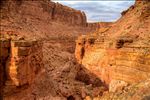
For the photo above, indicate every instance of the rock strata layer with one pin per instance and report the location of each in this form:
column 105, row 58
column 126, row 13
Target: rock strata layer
column 21, row 62
column 42, row 19
column 121, row 53
column 43, row 10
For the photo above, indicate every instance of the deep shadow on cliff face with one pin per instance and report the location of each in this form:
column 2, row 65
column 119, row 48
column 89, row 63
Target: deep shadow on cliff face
column 61, row 77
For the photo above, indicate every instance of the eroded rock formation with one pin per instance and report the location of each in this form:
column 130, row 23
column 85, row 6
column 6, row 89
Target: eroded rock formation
column 45, row 22
column 52, row 11
column 137, row 91
column 100, row 26
column 122, row 52
column 21, row 62
column 42, row 19
column 68, row 15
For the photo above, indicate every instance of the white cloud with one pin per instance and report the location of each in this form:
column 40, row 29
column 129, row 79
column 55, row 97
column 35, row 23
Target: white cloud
column 99, row 10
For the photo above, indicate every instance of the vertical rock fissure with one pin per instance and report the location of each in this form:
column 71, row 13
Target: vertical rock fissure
column 53, row 11
column 4, row 66
column 3, row 62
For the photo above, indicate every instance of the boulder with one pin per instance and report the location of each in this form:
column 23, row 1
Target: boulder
column 117, row 85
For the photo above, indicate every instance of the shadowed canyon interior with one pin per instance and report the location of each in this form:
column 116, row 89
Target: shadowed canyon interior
column 49, row 51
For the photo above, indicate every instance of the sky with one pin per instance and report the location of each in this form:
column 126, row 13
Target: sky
column 99, row 10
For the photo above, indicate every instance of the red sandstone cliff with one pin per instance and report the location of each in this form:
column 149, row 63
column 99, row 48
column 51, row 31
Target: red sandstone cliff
column 101, row 26
column 21, row 62
column 43, row 10
column 121, row 55
column 42, row 19
column 39, row 36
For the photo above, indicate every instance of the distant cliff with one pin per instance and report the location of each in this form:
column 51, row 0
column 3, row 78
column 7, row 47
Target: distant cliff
column 100, row 26
column 42, row 19
column 44, row 10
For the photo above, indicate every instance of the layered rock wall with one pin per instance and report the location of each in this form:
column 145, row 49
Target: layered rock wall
column 71, row 16
column 27, row 54
column 100, row 25
column 43, row 10
column 129, row 64
column 122, row 53
column 137, row 91
column 21, row 61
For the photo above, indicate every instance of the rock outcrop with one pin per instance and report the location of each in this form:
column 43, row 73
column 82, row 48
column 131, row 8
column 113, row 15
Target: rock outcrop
column 21, row 62
column 68, row 15
column 121, row 53
column 56, row 26
column 42, row 19
column 137, row 91
column 100, row 26
column 44, row 10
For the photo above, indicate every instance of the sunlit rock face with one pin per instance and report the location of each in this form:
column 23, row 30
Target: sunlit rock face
column 137, row 91
column 56, row 26
column 42, row 19
column 44, row 10
column 100, row 26
column 122, row 64
column 122, row 52
column 21, row 62
column 25, row 62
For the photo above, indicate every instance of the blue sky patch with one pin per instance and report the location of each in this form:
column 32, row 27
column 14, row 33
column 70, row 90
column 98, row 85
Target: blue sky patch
column 97, row 11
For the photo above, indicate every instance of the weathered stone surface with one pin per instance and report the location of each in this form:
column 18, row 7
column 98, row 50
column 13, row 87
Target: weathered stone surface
column 116, row 64
column 52, row 11
column 138, row 91
column 117, row 85
column 20, row 63
column 42, row 19
column 4, row 48
column 100, row 25
column 23, row 43
column 22, row 51
column 4, row 43
column 122, row 41
column 74, row 17
column 80, row 50
column 48, row 22
column 122, row 52
column 4, row 52
column 23, row 65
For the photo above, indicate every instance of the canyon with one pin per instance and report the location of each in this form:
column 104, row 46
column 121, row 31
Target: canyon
column 49, row 51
